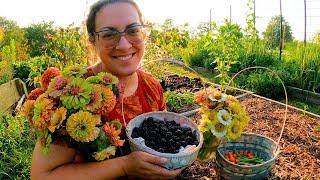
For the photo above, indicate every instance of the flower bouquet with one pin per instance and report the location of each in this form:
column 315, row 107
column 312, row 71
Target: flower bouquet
column 221, row 116
column 68, row 107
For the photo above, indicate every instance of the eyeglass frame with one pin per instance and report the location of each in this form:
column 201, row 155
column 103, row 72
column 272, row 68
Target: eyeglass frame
column 145, row 30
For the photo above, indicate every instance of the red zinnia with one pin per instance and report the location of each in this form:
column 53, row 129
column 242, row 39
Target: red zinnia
column 34, row 94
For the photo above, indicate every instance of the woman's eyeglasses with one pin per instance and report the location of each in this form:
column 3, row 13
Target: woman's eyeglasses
column 134, row 34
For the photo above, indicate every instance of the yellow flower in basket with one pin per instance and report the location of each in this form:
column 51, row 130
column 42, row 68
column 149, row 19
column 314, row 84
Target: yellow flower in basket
column 222, row 116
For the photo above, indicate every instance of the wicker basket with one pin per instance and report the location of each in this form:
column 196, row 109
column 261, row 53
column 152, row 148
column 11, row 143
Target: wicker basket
column 175, row 161
column 261, row 146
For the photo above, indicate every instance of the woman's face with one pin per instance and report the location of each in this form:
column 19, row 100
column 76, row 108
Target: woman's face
column 123, row 58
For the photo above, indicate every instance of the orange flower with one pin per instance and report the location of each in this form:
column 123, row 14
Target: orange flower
column 47, row 75
column 112, row 130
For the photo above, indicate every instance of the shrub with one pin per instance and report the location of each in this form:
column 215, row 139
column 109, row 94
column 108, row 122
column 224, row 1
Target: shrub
column 16, row 145
column 262, row 83
column 6, row 73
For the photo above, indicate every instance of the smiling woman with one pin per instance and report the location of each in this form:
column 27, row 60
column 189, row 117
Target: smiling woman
column 117, row 33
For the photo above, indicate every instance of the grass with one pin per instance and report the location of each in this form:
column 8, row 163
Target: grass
column 305, row 105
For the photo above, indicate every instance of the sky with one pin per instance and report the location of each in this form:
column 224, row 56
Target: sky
column 65, row 12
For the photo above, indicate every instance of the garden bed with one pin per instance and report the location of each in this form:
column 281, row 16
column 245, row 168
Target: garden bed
column 300, row 144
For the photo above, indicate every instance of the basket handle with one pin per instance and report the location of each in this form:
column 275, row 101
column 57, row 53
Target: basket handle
column 285, row 92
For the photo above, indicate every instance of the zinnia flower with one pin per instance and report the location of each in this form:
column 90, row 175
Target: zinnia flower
column 81, row 126
column 27, row 109
column 205, row 124
column 234, row 130
column 103, row 78
column 57, row 85
column 34, row 94
column 224, row 117
column 58, row 116
column 74, row 70
column 113, row 130
column 105, row 153
column 78, row 94
column 218, row 129
column 102, row 100
column 43, row 108
column 47, row 75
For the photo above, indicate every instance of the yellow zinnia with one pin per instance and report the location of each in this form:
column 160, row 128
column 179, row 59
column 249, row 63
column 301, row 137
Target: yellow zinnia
column 234, row 130
column 105, row 154
column 59, row 115
column 81, row 126
column 218, row 129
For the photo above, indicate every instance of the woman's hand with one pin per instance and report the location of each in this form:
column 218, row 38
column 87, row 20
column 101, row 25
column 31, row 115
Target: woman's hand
column 147, row 166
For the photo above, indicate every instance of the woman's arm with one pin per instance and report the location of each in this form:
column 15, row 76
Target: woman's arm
column 58, row 164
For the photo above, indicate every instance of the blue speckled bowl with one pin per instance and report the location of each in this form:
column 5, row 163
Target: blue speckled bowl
column 262, row 146
column 175, row 161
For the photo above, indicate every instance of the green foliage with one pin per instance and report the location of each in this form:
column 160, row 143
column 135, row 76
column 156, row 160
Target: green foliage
column 262, row 83
column 6, row 73
column 21, row 70
column 251, row 31
column 16, row 145
column 30, row 71
column 170, row 39
column 226, row 50
column 12, row 42
column 37, row 36
column 256, row 53
column 197, row 53
column 9, row 52
column 67, row 45
column 272, row 33
column 307, row 60
column 176, row 100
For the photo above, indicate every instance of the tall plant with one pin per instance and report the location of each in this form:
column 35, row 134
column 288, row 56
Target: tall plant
column 226, row 50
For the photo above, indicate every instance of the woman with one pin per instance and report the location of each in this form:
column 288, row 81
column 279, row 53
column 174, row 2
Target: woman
column 116, row 30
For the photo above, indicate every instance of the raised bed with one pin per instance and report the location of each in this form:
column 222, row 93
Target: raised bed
column 304, row 95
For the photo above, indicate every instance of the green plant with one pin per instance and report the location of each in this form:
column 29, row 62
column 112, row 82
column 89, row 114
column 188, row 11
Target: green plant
column 262, row 83
column 227, row 50
column 176, row 100
column 16, row 145
column 6, row 73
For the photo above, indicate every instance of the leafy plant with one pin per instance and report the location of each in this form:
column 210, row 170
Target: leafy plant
column 262, row 83
column 16, row 145
column 176, row 100
column 6, row 73
column 226, row 50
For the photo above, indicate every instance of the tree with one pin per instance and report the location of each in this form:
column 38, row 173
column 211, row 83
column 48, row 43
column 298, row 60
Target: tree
column 38, row 36
column 272, row 33
column 12, row 42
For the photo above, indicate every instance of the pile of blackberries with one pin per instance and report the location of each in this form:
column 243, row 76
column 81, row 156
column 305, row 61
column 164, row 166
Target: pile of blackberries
column 165, row 136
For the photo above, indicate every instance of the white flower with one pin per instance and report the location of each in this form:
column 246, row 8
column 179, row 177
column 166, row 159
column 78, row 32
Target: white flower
column 224, row 117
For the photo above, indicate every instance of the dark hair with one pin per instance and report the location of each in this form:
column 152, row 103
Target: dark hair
column 91, row 20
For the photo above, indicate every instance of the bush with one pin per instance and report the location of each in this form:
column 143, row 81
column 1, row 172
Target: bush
column 263, row 83
column 16, row 146
column 6, row 73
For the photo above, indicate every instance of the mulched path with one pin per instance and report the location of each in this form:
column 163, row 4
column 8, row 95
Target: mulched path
column 300, row 143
